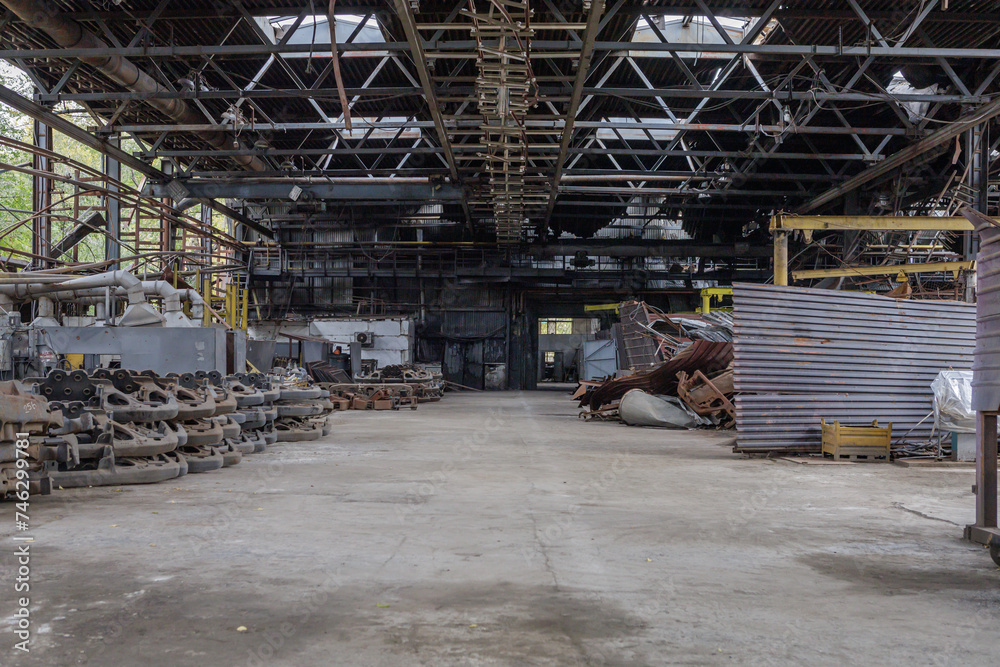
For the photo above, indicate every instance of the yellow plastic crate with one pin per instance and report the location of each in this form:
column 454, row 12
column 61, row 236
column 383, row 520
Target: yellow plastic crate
column 857, row 442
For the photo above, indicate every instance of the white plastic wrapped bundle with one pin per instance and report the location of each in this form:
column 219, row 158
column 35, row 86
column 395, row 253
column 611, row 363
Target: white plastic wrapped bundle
column 953, row 402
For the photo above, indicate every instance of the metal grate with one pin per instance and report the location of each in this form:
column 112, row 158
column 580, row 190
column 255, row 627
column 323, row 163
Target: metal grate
column 638, row 348
column 806, row 354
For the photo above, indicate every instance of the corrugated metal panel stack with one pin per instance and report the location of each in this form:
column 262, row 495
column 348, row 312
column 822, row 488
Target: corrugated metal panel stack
column 986, row 373
column 805, row 354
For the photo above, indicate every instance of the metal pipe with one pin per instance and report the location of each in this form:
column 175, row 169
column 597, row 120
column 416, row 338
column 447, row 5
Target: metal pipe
column 172, row 297
column 138, row 312
column 46, row 16
column 30, row 278
column 124, row 279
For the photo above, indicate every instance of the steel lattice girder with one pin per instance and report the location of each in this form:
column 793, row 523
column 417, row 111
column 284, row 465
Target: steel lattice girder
column 813, row 61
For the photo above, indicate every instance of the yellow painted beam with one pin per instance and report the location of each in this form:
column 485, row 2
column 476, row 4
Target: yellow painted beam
column 848, row 271
column 602, row 306
column 780, row 257
column 868, row 222
column 709, row 292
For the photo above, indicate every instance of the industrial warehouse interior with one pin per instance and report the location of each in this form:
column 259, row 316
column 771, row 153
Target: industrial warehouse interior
column 499, row 332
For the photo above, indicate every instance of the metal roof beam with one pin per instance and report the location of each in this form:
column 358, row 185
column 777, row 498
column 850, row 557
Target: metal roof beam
column 60, row 124
column 405, row 16
column 586, row 54
column 647, row 248
column 242, row 188
column 727, row 9
column 884, row 223
column 464, row 49
column 472, row 127
column 981, row 115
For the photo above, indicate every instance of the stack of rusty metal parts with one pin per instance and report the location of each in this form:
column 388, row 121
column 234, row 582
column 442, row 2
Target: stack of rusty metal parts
column 126, row 435
column 389, row 388
column 700, row 374
column 302, row 412
column 135, row 428
column 301, row 406
column 26, row 443
column 116, row 426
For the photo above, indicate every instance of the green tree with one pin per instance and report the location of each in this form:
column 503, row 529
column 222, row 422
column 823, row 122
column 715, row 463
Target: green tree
column 15, row 187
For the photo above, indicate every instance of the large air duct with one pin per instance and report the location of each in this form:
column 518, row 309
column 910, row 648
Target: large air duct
column 45, row 315
column 172, row 297
column 173, row 312
column 90, row 289
column 46, row 16
column 138, row 313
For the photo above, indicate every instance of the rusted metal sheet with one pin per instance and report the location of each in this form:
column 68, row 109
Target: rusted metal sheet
column 708, row 357
column 805, row 354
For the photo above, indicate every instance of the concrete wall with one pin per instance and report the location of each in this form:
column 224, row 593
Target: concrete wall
column 393, row 337
column 567, row 344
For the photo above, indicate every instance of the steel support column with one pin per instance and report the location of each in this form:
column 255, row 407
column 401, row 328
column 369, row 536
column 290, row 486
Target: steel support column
column 977, row 152
column 780, row 257
column 113, row 170
column 41, row 228
column 986, row 471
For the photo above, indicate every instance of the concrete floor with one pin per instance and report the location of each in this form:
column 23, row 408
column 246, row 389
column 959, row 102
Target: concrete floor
column 500, row 529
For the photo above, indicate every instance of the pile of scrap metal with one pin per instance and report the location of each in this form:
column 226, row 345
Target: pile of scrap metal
column 675, row 332
column 388, row 388
column 116, row 426
column 354, row 396
column 647, row 336
column 697, row 382
column 324, row 371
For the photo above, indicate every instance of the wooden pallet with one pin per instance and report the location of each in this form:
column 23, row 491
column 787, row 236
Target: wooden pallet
column 847, row 453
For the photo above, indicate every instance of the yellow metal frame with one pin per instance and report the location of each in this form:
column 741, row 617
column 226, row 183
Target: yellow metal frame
column 236, row 306
column 782, row 224
column 709, row 293
column 896, row 269
column 886, row 223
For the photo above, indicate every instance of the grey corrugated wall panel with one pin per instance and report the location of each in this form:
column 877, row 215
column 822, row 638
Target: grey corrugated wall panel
column 986, row 371
column 804, row 354
column 474, row 324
